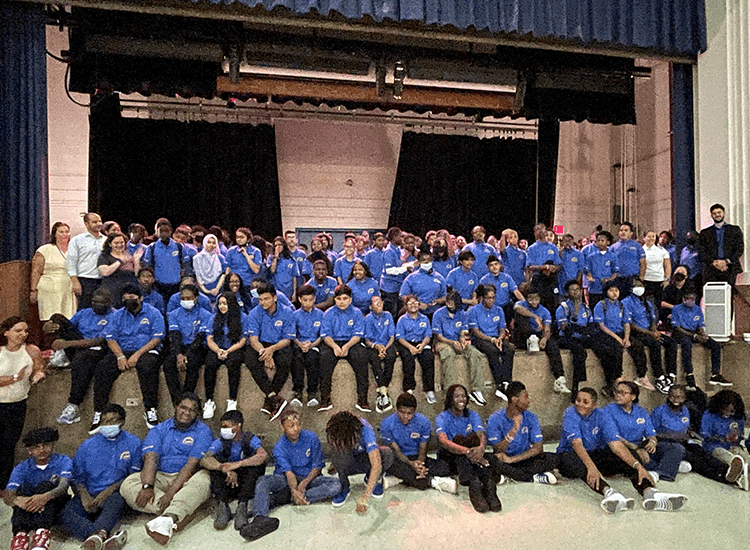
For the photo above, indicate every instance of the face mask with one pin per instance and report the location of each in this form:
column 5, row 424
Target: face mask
column 254, row 293
column 638, row 290
column 679, row 277
column 187, row 304
column 425, row 267
column 227, row 433
column 131, row 305
column 99, row 310
column 110, row 432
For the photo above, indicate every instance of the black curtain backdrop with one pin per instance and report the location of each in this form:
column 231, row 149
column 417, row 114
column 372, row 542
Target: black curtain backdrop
column 457, row 182
column 188, row 172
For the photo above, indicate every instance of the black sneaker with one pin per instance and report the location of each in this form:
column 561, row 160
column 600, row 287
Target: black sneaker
column 719, row 380
column 476, row 496
column 96, row 422
column 690, row 383
column 325, row 406
column 223, row 515
column 259, row 527
column 277, row 405
column 363, row 406
column 267, row 405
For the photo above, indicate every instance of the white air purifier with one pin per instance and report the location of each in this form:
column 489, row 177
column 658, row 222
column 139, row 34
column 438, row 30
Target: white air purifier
column 717, row 310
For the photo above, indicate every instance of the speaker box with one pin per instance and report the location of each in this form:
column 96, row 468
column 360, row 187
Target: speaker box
column 717, row 310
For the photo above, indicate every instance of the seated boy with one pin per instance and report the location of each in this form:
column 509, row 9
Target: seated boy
column 306, row 348
column 380, row 335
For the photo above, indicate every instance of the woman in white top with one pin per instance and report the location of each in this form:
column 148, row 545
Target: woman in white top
column 21, row 365
column 658, row 268
column 51, row 288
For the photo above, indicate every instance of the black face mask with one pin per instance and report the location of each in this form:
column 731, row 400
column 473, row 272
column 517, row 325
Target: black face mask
column 99, row 310
column 132, row 305
column 679, row 277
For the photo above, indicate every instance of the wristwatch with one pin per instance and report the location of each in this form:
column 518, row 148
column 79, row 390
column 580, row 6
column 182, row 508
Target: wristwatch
column 15, row 377
column 147, row 486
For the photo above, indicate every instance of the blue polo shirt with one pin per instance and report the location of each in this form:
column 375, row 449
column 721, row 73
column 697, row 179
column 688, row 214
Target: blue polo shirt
column 427, row 287
column 166, row 261
column 28, row 475
column 450, row 327
column 514, row 263
column 413, row 330
column 100, row 462
column 286, row 274
column 362, row 293
column 481, row 252
column 542, row 252
column 300, row 258
column 301, row 457
column 539, row 310
column 573, row 263
column 343, row 267
column 374, row 260
column 379, row 328
column 174, row 302
column 629, row 254
column 596, row 431
column 615, row 317
column 633, row 426
column 640, row 316
column 451, row 425
column 224, row 342
column 281, row 299
column 504, row 286
column 408, row 437
column 564, row 314
column 489, row 321
column 272, row 328
column 715, row 424
column 174, row 447
column 156, row 300
column 236, row 452
column 238, row 263
column 89, row 323
column 690, row 259
column 308, row 324
column 342, row 325
column 687, row 318
column 666, row 421
column 134, row 332
column 367, row 441
column 463, row 282
column 601, row 266
column 323, row 290
column 190, row 323
column 391, row 258
column 131, row 248
column 443, row 266
column 529, row 433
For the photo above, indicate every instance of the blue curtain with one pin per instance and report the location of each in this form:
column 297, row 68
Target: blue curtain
column 24, row 199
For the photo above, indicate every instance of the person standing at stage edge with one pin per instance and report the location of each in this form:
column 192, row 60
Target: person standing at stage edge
column 721, row 246
column 82, row 258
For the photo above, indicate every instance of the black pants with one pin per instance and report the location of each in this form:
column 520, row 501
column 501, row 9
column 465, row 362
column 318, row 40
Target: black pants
column 608, row 463
column 88, row 287
column 578, row 345
column 148, row 377
column 233, row 362
column 382, row 369
column 686, row 345
column 408, row 364
column 391, row 303
column 13, row 417
column 404, row 471
column 638, row 344
column 21, row 520
column 196, row 356
column 525, row 469
column 357, row 358
column 167, row 290
column 306, row 363
column 705, row 464
column 282, row 358
column 349, row 463
column 501, row 362
column 466, row 470
column 547, row 287
column 245, row 490
column 521, row 333
column 609, row 351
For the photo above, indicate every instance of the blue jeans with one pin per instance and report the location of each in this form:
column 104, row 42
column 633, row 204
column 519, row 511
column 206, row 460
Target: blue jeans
column 272, row 491
column 349, row 463
column 78, row 522
column 666, row 460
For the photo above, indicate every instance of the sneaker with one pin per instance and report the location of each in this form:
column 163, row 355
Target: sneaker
column 223, row 515
column 40, row 540
column 502, row 480
column 116, row 541
column 560, row 386
column 410, row 392
column 20, row 541
column 267, row 405
column 478, row 398
column 231, row 405
column 684, row 467
column 662, row 384
column 151, row 418
column 340, row 499
column 431, row 399
column 532, row 344
column 390, row 481
column 547, row 478
column 69, row 415
column 59, row 360
column 690, row 383
column 277, row 405
column 645, row 383
column 95, row 423
column 736, row 468
column 719, row 380
column 325, row 406
column 297, row 399
column 94, row 542
column 444, row 484
column 160, row 529
column 616, row 503
column 363, row 406
column 654, row 476
column 313, row 402
column 502, row 387
column 664, row 502
column 209, row 408
column 241, row 516
column 379, row 404
column 744, row 480
column 377, row 491
column 259, row 527
column 387, row 403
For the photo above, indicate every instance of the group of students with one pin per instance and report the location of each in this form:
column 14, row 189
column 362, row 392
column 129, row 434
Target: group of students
column 180, row 464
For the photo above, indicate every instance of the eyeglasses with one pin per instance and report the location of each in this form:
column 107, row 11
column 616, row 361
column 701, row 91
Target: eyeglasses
column 622, row 392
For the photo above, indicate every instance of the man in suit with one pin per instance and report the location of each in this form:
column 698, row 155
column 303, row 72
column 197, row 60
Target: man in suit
column 721, row 245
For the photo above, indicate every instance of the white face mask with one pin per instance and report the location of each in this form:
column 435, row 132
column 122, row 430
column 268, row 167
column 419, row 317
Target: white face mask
column 638, row 290
column 426, row 267
column 187, row 304
column 110, row 432
column 227, row 433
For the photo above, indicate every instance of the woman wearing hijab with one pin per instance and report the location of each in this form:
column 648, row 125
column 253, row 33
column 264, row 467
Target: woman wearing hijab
column 210, row 268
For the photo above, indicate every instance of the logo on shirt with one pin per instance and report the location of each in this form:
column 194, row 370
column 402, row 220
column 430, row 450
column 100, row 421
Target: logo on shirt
column 496, row 318
column 696, row 318
column 550, row 251
column 414, row 435
column 584, row 314
column 504, row 285
column 308, row 452
column 387, row 322
column 188, row 441
column 278, row 323
column 145, row 321
column 606, row 263
column 125, row 455
column 350, row 322
column 102, row 322
column 458, row 323
column 525, row 430
column 316, row 324
column 469, row 428
column 370, row 291
column 640, row 421
column 471, row 281
column 685, row 420
column 174, row 253
column 437, row 281
column 574, row 259
column 595, row 430
column 422, row 324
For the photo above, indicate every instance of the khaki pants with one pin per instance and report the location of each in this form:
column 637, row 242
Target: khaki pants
column 451, row 375
column 726, row 456
column 195, row 492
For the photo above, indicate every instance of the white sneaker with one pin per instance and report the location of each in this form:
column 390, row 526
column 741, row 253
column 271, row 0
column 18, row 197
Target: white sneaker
column 685, row 467
column 616, row 503
column 547, row 478
column 736, row 468
column 664, row 502
column 654, row 476
column 59, row 359
column 744, row 480
column 160, row 529
column 431, row 399
column 560, row 386
column 69, row 415
column 209, row 408
column 502, row 480
column 313, row 402
column 444, row 484
column 390, row 481
column 532, row 344
column 231, row 404
column 500, row 391
column 151, row 418
column 478, row 398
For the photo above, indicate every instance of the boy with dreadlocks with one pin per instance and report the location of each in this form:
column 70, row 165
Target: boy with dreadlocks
column 354, row 450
